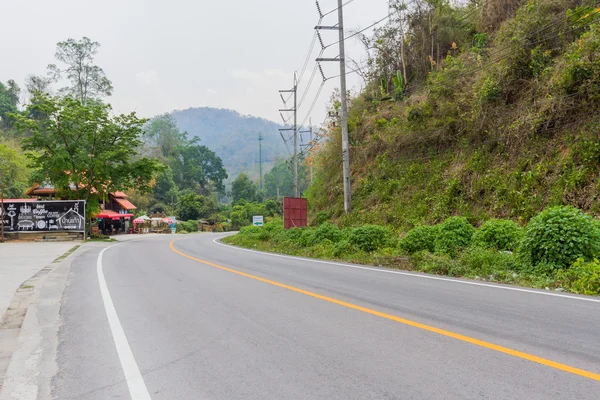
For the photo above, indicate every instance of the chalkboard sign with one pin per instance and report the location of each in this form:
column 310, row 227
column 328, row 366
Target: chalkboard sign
column 43, row 216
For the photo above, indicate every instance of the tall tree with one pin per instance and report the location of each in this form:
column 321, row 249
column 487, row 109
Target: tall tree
column 193, row 206
column 279, row 181
column 166, row 190
column 88, row 81
column 38, row 84
column 243, row 188
column 9, row 101
column 83, row 150
column 162, row 134
column 198, row 167
column 14, row 173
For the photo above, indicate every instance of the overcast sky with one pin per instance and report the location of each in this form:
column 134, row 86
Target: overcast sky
column 163, row 55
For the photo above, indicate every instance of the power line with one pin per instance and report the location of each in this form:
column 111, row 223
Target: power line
column 313, row 103
column 361, row 31
column 337, row 8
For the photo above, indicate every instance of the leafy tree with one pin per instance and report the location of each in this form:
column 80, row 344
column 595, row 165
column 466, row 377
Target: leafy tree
column 279, row 181
column 165, row 190
column 9, row 100
column 239, row 217
column 38, row 84
column 192, row 206
column 199, row 168
column 243, row 188
column 13, row 172
column 88, row 81
column 83, row 150
column 162, row 133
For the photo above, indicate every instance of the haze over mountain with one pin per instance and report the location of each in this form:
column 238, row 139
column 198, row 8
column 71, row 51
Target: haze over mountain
column 234, row 137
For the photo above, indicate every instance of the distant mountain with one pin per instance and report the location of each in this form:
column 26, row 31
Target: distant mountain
column 234, row 137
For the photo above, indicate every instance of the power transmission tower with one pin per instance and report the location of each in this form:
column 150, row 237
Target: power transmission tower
column 295, row 129
column 344, row 120
column 260, row 139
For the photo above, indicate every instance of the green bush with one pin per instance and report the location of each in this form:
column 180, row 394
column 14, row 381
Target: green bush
column 484, row 262
column 328, row 231
column 499, row 234
column 274, row 228
column 453, row 235
column 341, row 248
column 558, row 236
column 308, row 238
column 440, row 264
column 294, row 234
column 251, row 231
column 583, row 277
column 321, row 217
column 190, row 226
column 371, row 237
column 421, row 237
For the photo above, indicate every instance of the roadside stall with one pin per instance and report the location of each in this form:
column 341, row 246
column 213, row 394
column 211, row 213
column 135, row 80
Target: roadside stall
column 141, row 224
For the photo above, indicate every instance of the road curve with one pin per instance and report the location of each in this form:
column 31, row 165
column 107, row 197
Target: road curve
column 207, row 321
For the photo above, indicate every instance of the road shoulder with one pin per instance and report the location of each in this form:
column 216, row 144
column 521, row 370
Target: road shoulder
column 32, row 343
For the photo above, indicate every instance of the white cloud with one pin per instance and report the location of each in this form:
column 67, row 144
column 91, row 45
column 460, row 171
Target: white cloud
column 147, row 78
column 211, row 92
column 245, row 74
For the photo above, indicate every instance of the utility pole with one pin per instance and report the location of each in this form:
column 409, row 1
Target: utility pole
column 295, row 129
column 344, row 120
column 260, row 139
column 309, row 144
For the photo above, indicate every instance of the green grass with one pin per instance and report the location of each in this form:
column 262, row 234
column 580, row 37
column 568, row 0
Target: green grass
column 67, row 254
column 486, row 265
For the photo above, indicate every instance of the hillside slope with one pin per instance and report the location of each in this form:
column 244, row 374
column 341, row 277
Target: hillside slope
column 503, row 126
column 234, row 137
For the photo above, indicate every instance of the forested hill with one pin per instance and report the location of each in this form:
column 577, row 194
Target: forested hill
column 234, row 137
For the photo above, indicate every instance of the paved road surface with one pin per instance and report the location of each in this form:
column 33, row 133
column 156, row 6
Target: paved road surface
column 223, row 323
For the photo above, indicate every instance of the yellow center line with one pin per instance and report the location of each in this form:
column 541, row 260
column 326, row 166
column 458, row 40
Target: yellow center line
column 429, row 328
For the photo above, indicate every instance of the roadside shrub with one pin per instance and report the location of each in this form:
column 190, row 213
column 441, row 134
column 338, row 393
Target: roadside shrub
column 341, row 248
column 327, row 231
column 440, row 264
column 321, row 217
column 322, row 249
column 486, row 262
column 273, row 228
column 250, row 231
column 558, row 236
column 499, row 234
column 371, row 237
column 421, row 237
column 583, row 277
column 294, row 234
column 190, row 226
column 453, row 234
column 308, row 238
column 346, row 232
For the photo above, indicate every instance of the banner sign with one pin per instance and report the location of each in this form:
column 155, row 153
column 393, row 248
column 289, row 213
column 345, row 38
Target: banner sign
column 43, row 216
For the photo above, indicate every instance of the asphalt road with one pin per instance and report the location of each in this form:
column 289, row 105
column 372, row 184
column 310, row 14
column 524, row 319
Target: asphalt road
column 199, row 320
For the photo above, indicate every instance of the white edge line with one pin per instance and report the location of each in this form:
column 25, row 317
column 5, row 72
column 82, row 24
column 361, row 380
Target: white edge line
column 135, row 381
column 423, row 276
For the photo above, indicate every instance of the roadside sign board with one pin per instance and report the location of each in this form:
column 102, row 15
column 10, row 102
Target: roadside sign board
column 294, row 212
column 257, row 220
column 43, row 216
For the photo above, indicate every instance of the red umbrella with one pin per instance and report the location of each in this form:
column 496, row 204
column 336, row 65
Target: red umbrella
column 167, row 220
